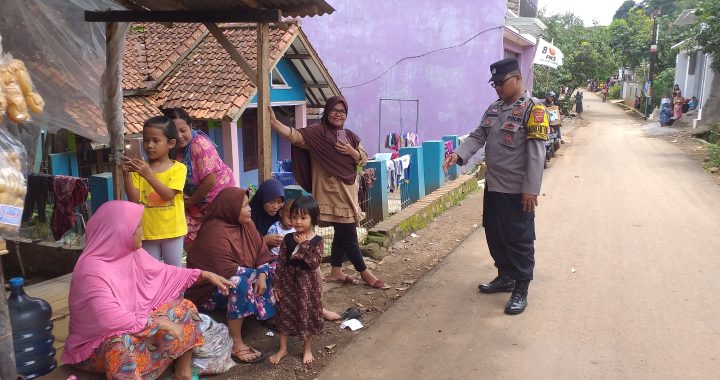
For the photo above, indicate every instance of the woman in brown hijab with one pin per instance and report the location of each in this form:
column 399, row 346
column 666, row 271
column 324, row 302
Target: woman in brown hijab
column 229, row 243
column 325, row 158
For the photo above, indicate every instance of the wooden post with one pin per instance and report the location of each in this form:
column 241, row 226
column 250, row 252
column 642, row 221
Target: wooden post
column 113, row 97
column 7, row 353
column 300, row 116
column 231, row 148
column 263, row 95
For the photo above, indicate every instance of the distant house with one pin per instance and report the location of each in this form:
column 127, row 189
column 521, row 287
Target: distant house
column 388, row 55
column 692, row 67
column 184, row 67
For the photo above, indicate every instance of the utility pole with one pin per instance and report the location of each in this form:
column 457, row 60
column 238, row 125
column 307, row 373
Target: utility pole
column 653, row 55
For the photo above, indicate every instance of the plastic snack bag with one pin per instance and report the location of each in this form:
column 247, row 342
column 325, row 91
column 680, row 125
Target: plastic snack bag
column 215, row 356
column 13, row 184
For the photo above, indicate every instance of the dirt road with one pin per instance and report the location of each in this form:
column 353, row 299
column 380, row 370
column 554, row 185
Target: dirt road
column 626, row 282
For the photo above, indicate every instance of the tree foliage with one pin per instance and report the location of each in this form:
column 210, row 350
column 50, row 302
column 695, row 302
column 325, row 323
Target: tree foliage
column 630, row 38
column 708, row 24
column 624, row 9
column 586, row 54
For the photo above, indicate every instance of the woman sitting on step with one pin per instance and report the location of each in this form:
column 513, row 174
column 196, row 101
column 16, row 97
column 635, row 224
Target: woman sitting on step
column 128, row 319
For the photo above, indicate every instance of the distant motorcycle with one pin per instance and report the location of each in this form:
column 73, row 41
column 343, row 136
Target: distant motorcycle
column 552, row 145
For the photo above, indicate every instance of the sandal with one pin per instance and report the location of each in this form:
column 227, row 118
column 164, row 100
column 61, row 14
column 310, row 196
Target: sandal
column 248, row 351
column 345, row 280
column 378, row 284
column 351, row 313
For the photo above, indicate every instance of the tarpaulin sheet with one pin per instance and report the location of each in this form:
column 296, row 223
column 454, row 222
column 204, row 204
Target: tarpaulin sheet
column 65, row 57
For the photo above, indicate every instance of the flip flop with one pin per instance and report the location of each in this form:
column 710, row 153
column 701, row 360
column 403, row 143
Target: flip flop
column 346, row 280
column 351, row 313
column 378, row 284
column 236, row 355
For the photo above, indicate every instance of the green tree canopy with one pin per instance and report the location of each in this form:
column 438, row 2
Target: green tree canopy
column 708, row 37
column 586, row 53
column 624, row 9
column 629, row 39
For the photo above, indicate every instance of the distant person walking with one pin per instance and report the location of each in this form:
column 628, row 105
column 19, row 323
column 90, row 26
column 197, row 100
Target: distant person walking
column 579, row 103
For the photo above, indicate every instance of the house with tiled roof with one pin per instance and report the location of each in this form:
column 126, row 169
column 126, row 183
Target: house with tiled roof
column 183, row 66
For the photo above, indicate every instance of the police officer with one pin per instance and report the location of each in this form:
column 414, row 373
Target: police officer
column 513, row 130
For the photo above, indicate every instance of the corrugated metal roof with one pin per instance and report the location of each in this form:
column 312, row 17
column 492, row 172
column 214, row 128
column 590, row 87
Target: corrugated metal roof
column 289, row 8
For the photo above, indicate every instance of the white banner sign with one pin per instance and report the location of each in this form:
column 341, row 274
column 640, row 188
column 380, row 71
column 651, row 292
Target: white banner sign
column 548, row 55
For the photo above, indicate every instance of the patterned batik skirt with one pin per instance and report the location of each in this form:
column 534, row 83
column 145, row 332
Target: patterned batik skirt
column 148, row 353
column 242, row 300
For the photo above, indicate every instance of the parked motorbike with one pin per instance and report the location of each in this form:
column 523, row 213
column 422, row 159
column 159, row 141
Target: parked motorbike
column 552, row 145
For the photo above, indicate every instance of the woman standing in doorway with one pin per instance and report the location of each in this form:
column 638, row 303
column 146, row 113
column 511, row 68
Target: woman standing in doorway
column 325, row 158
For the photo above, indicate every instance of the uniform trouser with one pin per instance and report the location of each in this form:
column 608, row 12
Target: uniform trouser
column 510, row 234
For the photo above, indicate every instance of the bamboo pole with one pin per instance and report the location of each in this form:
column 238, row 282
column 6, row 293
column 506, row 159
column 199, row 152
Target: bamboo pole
column 112, row 100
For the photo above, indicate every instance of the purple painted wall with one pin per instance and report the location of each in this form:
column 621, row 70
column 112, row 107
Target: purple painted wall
column 527, row 54
column 363, row 39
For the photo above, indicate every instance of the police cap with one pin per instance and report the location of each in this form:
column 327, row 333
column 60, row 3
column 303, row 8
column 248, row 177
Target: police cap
column 501, row 68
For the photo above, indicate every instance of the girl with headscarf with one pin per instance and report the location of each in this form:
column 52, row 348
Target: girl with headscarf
column 265, row 206
column 207, row 174
column 229, row 244
column 325, row 158
column 127, row 316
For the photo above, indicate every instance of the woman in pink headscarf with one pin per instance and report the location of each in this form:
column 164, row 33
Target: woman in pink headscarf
column 127, row 316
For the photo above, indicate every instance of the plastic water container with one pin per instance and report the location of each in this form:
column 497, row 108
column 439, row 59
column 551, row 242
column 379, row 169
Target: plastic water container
column 32, row 332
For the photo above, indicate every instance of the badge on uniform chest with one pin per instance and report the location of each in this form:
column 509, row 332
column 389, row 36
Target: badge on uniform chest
column 515, row 119
column 508, row 137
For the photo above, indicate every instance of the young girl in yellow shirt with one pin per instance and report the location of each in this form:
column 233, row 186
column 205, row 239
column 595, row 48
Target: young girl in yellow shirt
column 157, row 184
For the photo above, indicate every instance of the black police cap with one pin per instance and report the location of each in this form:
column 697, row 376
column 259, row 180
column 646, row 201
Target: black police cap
column 501, row 68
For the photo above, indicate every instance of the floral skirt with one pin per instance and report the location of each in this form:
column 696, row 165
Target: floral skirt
column 242, row 301
column 148, row 353
column 194, row 219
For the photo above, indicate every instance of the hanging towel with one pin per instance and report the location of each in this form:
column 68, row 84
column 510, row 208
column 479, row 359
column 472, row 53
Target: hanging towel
column 449, row 148
column 391, row 173
column 69, row 193
column 39, row 186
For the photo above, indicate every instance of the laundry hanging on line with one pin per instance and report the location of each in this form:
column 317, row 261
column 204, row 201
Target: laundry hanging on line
column 398, row 171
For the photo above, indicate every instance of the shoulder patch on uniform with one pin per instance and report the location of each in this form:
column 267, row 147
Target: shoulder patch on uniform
column 538, row 123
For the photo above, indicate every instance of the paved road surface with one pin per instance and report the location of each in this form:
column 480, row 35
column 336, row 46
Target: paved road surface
column 635, row 218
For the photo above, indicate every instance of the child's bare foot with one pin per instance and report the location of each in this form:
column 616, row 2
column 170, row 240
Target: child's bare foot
column 308, row 357
column 330, row 315
column 275, row 359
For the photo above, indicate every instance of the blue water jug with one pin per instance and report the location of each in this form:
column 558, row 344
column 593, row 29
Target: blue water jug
column 33, row 340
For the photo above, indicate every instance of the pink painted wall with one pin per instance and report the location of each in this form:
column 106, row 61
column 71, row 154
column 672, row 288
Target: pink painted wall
column 363, row 39
column 526, row 61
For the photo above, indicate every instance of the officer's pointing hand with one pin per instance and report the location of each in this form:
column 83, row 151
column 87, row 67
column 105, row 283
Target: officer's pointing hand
column 450, row 161
column 529, row 202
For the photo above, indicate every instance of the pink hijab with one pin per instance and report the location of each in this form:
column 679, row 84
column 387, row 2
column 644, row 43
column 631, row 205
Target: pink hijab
column 114, row 288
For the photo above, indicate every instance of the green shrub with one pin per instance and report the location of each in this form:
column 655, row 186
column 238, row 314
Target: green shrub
column 664, row 82
column 615, row 92
column 714, row 153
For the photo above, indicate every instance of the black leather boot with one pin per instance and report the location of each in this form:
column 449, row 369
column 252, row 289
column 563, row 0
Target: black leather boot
column 518, row 300
column 501, row 283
